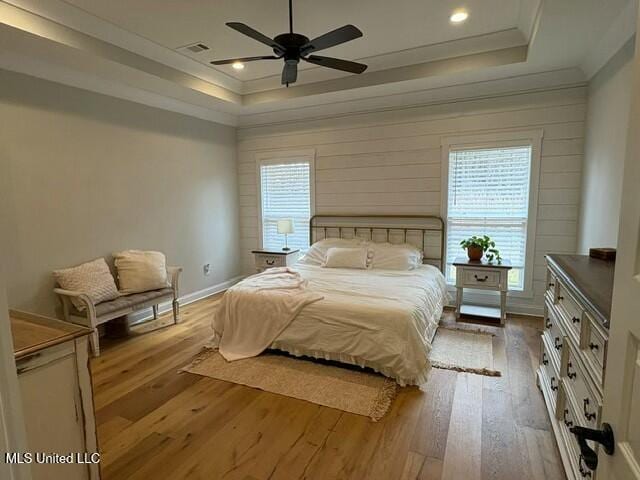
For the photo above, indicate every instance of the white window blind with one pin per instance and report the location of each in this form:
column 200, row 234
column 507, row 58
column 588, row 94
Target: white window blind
column 285, row 191
column 488, row 194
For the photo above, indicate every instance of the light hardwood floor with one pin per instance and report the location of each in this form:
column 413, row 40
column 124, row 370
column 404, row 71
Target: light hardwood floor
column 156, row 423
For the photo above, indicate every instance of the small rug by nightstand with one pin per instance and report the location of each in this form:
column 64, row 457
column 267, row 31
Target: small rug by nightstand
column 463, row 351
column 356, row 391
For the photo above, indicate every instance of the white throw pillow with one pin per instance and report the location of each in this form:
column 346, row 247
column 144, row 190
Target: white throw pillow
column 318, row 251
column 92, row 278
column 140, row 271
column 387, row 256
column 340, row 257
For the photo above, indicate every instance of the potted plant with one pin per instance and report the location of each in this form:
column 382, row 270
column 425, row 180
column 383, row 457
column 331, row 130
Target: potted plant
column 476, row 247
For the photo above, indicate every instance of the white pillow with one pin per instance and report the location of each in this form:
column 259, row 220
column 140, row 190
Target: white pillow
column 340, row 257
column 92, row 278
column 318, row 251
column 140, row 271
column 387, row 256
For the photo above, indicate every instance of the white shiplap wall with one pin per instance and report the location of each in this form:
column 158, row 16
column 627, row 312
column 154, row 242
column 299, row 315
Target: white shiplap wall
column 389, row 162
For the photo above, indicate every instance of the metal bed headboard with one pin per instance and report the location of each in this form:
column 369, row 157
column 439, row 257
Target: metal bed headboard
column 426, row 232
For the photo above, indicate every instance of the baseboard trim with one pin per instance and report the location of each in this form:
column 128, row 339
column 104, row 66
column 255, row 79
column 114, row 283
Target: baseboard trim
column 145, row 315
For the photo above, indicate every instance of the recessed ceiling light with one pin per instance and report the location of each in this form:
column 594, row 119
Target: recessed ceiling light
column 238, row 65
column 459, row 16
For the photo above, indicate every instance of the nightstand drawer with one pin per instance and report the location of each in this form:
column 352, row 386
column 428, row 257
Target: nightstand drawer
column 480, row 278
column 268, row 261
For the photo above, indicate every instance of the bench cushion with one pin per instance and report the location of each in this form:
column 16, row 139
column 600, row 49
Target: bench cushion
column 130, row 301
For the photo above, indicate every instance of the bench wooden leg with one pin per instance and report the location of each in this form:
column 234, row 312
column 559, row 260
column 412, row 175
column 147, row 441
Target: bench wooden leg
column 176, row 312
column 155, row 312
column 94, row 340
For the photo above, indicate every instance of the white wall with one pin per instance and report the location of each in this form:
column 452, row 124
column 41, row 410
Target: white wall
column 606, row 133
column 85, row 175
column 389, row 162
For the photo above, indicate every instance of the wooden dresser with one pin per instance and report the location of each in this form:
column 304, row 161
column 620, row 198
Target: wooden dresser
column 574, row 350
column 52, row 359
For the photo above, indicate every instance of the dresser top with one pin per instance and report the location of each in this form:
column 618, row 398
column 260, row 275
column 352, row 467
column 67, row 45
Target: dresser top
column 591, row 277
column 32, row 333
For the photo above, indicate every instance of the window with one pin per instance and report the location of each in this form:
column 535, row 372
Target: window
column 285, row 192
column 488, row 194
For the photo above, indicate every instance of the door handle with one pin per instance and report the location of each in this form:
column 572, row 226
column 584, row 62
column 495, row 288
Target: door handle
column 604, row 437
column 557, row 344
column 570, row 374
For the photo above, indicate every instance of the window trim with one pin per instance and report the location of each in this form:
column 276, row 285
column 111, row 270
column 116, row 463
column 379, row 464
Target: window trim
column 282, row 157
column 495, row 140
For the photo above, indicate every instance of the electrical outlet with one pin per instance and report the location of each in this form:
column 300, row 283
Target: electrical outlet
column 206, row 268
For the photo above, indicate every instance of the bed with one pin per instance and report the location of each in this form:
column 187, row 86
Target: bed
column 383, row 319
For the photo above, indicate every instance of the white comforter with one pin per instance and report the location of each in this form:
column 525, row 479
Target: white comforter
column 382, row 319
column 254, row 312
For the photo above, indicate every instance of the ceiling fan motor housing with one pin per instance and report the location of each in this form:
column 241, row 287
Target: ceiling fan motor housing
column 292, row 43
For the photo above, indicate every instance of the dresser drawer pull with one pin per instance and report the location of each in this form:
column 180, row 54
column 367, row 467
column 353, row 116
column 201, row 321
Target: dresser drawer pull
column 553, row 387
column 548, row 324
column 545, row 361
column 552, row 284
column 483, row 279
column 570, row 374
column 568, row 423
column 594, row 346
column 560, row 297
column 588, row 415
column 270, row 262
column 557, row 344
column 575, row 320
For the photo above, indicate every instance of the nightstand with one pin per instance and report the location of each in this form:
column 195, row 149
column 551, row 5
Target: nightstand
column 274, row 258
column 483, row 276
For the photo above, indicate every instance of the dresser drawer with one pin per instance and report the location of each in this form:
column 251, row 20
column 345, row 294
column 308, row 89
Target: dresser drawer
column 594, row 349
column 577, row 381
column 568, row 418
column 571, row 310
column 553, row 332
column 552, row 284
column 481, row 278
column 549, row 370
column 268, row 261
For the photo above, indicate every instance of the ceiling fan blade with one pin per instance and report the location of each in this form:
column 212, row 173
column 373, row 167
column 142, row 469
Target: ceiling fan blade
column 256, row 35
column 331, row 39
column 245, row 59
column 289, row 73
column 337, row 63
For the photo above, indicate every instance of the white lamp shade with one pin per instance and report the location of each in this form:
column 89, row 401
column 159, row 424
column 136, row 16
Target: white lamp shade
column 285, row 226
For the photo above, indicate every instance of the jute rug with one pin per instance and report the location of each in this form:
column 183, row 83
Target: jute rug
column 464, row 351
column 356, row 391
column 346, row 388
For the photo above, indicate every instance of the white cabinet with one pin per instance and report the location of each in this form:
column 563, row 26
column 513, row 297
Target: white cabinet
column 55, row 385
column 573, row 353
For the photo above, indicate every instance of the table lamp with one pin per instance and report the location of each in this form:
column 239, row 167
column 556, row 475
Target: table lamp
column 285, row 227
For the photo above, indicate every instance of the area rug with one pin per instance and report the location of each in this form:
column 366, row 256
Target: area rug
column 355, row 391
column 464, row 351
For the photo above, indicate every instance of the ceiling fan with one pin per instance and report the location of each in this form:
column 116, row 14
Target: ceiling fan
column 294, row 47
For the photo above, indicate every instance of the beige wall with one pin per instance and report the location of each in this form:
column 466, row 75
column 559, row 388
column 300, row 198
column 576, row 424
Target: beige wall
column 389, row 162
column 606, row 133
column 83, row 175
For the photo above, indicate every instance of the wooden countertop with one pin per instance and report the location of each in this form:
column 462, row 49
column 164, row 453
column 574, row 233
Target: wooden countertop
column 592, row 278
column 32, row 333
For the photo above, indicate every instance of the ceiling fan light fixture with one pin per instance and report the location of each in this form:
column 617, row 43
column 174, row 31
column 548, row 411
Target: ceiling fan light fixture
column 238, row 65
column 459, row 16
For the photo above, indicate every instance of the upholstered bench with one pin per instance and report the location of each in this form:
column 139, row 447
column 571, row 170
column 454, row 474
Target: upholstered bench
column 97, row 314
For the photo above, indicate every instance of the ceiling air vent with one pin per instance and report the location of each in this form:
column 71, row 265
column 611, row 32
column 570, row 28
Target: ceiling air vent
column 194, row 48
